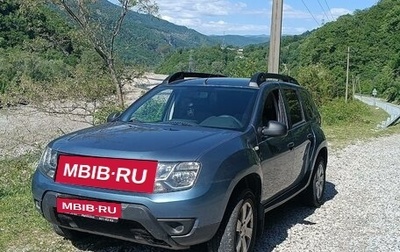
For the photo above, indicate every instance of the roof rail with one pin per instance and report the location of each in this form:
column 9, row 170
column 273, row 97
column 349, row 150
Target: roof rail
column 259, row 78
column 183, row 75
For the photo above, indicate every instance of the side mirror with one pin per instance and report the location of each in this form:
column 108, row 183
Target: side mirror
column 274, row 129
column 113, row 116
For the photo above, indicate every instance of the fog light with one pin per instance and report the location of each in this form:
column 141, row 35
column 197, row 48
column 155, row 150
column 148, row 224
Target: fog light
column 177, row 226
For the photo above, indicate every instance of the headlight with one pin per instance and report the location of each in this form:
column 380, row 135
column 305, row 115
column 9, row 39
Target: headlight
column 176, row 176
column 48, row 162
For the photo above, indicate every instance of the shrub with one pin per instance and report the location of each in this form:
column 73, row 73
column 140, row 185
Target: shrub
column 339, row 112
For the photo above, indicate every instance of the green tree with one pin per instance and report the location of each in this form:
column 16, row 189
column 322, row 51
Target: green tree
column 99, row 37
column 319, row 81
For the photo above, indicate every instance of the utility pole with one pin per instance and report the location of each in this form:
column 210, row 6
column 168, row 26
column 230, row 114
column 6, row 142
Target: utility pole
column 347, row 73
column 275, row 39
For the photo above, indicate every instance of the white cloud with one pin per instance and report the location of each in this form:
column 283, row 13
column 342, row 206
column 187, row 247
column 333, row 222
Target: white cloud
column 184, row 21
column 222, row 27
column 288, row 30
column 229, row 17
column 200, row 7
column 237, row 17
column 209, row 16
column 226, row 17
column 290, row 13
column 337, row 12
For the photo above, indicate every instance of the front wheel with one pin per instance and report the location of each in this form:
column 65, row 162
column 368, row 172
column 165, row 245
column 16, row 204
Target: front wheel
column 315, row 191
column 238, row 228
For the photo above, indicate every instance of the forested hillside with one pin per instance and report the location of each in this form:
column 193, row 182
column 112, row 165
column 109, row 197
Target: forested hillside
column 41, row 48
column 229, row 60
column 40, row 51
column 373, row 36
column 44, row 56
column 318, row 58
column 146, row 39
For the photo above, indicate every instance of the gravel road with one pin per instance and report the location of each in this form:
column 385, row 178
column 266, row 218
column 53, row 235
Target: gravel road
column 362, row 208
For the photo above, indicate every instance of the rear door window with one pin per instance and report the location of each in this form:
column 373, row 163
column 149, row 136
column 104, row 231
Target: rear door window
column 310, row 109
column 293, row 105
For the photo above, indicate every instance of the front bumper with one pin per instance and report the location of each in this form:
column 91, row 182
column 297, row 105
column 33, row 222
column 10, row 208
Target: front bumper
column 137, row 224
column 189, row 223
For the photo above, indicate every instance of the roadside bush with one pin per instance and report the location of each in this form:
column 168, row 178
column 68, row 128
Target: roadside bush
column 337, row 112
column 319, row 81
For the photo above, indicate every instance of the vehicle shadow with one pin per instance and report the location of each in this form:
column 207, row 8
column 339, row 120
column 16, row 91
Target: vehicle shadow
column 277, row 224
column 281, row 219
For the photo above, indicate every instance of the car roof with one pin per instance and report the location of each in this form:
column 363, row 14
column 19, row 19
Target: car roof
column 215, row 81
column 206, row 79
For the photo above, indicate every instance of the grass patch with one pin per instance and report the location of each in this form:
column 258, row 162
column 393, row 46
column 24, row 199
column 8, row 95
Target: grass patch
column 344, row 124
column 21, row 226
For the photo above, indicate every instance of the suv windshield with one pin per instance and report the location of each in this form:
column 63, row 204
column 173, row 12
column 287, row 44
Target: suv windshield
column 219, row 107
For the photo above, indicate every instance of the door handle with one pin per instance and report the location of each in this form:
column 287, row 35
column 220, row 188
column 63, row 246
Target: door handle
column 310, row 136
column 290, row 145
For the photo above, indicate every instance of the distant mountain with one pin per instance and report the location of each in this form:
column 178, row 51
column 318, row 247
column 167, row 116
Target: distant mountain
column 146, row 39
column 241, row 41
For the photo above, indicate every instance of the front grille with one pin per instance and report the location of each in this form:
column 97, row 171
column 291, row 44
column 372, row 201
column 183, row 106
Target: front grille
column 122, row 229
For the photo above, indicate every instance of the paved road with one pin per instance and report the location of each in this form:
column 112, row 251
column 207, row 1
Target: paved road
column 392, row 109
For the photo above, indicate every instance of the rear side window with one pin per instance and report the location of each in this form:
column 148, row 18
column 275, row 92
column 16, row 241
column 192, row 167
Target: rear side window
column 293, row 106
column 310, row 109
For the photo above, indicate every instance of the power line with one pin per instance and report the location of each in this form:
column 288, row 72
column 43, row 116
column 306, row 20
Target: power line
column 329, row 9
column 310, row 13
column 323, row 10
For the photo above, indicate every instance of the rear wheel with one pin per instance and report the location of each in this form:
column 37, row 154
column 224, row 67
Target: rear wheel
column 315, row 191
column 238, row 229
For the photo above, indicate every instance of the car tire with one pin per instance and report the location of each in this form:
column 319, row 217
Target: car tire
column 314, row 193
column 68, row 233
column 238, row 228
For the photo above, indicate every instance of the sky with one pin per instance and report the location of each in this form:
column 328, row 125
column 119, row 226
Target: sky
column 253, row 17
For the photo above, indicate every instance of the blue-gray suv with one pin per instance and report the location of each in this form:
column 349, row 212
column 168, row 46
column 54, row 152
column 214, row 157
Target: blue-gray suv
column 199, row 159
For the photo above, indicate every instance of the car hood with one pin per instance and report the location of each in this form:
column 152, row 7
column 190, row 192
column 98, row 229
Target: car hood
column 150, row 142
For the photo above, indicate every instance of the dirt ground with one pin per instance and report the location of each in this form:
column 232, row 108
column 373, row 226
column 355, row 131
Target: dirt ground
column 25, row 129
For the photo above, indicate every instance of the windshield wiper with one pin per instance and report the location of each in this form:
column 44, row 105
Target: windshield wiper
column 181, row 122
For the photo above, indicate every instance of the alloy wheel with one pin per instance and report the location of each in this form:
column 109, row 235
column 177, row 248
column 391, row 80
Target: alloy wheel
column 320, row 180
column 244, row 228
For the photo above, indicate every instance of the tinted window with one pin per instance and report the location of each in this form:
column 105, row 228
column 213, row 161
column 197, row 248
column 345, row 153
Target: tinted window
column 293, row 106
column 309, row 107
